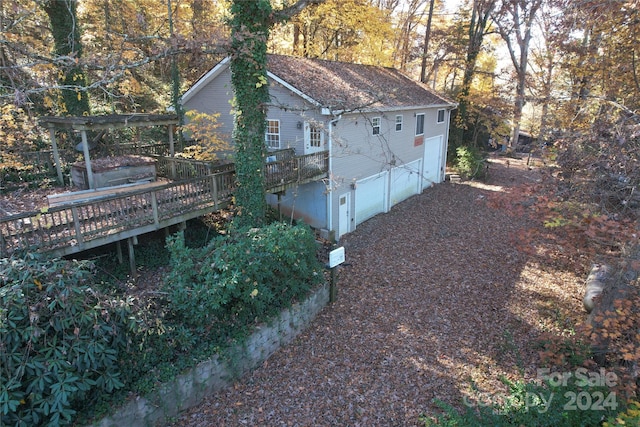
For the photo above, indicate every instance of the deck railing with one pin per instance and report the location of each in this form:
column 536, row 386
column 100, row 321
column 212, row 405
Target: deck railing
column 77, row 225
column 299, row 169
column 177, row 169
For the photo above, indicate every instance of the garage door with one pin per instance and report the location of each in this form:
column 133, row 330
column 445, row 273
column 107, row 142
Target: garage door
column 432, row 161
column 405, row 181
column 371, row 196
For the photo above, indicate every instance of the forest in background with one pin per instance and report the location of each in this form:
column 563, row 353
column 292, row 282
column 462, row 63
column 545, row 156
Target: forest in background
column 563, row 71
column 545, row 66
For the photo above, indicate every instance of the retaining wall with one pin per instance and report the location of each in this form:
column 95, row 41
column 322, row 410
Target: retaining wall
column 207, row 378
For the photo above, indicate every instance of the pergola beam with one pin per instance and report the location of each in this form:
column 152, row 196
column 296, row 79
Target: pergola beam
column 92, row 123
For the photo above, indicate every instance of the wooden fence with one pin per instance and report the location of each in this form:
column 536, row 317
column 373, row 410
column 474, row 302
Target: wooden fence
column 178, row 169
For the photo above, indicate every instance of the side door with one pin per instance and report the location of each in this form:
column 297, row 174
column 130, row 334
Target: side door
column 314, row 141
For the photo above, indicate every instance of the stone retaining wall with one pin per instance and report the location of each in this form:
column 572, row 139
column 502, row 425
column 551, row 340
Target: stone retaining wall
column 189, row 389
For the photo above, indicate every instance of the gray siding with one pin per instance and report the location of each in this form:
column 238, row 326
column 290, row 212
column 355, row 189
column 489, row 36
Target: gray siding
column 214, row 98
column 356, row 153
column 286, row 106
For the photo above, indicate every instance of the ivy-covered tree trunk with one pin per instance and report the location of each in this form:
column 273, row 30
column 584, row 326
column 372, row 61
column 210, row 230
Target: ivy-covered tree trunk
column 66, row 35
column 250, row 25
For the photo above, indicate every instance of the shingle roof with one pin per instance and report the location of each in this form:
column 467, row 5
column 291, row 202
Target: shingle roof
column 345, row 86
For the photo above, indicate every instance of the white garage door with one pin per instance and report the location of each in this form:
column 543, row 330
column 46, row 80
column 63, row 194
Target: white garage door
column 405, row 181
column 371, row 196
column 432, row 161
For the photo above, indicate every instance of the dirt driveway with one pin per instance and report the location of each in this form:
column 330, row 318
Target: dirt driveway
column 436, row 299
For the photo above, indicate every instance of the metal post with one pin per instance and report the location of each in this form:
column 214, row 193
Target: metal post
column 333, row 289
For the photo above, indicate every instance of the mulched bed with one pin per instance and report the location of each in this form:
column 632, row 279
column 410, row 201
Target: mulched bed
column 436, row 302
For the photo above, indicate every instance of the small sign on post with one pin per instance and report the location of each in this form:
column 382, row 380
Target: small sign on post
column 336, row 257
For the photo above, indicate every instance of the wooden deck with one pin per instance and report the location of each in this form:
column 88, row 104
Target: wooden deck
column 74, row 223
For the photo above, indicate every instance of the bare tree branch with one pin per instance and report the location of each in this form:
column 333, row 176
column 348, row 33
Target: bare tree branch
column 294, row 9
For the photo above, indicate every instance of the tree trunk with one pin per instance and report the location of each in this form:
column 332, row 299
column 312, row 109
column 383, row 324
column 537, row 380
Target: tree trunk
column 66, row 35
column 425, row 49
column 477, row 28
column 250, row 25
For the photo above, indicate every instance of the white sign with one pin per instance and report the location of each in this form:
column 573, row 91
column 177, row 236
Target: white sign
column 336, row 257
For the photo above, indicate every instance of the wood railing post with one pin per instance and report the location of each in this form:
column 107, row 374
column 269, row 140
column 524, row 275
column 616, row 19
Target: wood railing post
column 154, row 208
column 76, row 226
column 214, row 187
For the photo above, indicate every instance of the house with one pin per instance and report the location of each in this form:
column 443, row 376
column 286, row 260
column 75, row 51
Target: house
column 386, row 135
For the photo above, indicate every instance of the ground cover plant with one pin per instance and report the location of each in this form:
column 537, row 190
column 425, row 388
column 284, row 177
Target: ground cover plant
column 72, row 346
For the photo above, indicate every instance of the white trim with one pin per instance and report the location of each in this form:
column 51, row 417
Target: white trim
column 267, row 134
column 401, row 123
column 293, row 89
column 330, row 174
column 415, row 130
column 377, row 119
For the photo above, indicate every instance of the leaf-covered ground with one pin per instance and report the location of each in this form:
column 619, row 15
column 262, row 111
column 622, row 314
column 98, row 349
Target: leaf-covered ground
column 438, row 302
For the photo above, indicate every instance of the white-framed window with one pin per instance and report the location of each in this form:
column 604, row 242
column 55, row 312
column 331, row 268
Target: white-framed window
column 314, row 136
column 375, row 123
column 420, row 124
column 441, row 116
column 272, row 136
column 399, row 119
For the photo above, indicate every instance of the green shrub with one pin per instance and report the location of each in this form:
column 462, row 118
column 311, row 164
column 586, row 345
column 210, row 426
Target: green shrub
column 630, row 417
column 240, row 278
column 70, row 352
column 59, row 340
column 470, row 163
column 573, row 402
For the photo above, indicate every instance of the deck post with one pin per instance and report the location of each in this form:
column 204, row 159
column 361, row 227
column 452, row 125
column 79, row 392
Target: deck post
column 119, row 251
column 214, row 188
column 87, row 159
column 154, row 207
column 132, row 258
column 172, row 152
column 76, row 226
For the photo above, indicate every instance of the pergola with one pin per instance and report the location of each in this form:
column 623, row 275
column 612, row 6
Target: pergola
column 90, row 123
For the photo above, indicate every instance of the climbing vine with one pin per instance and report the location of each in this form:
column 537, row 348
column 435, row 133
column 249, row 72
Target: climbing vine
column 66, row 33
column 250, row 25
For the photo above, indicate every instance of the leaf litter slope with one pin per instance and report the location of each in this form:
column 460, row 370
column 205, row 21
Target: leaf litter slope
column 437, row 303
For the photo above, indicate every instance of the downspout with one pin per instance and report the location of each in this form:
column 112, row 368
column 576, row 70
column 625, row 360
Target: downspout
column 330, row 174
column 443, row 165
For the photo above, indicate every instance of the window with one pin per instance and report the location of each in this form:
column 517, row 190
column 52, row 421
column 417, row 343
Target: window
column 419, row 124
column 440, row 116
column 314, row 136
column 375, row 122
column 272, row 137
column 399, row 119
